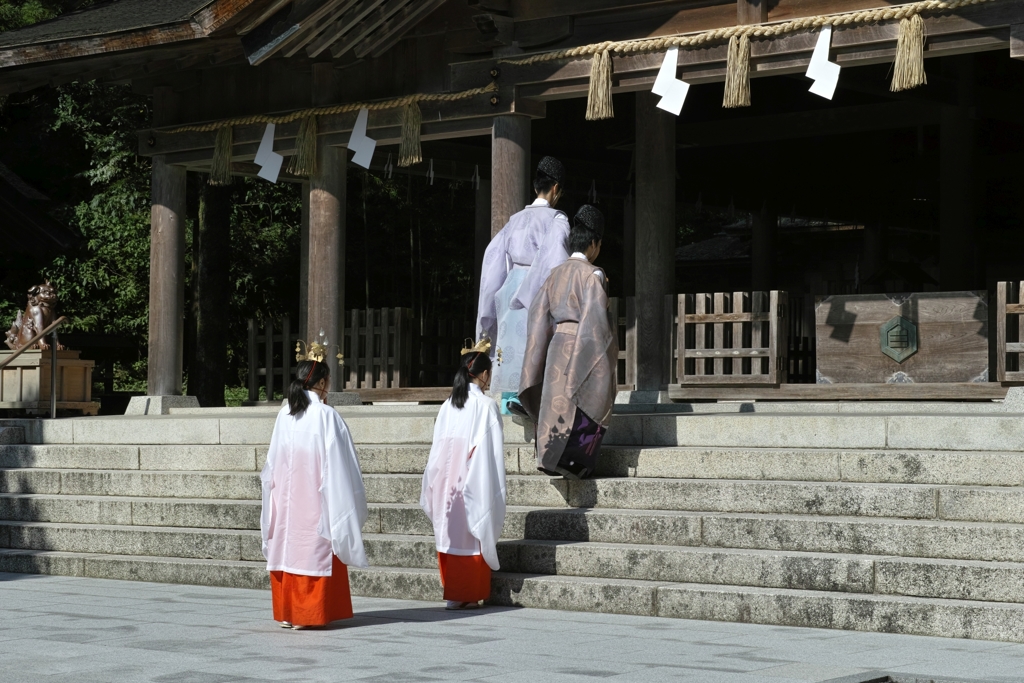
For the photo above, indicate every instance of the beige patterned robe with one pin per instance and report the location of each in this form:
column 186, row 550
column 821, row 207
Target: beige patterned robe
column 571, row 356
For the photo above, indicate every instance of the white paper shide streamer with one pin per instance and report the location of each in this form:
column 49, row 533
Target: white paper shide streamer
column 824, row 73
column 359, row 143
column 389, row 168
column 430, row 172
column 672, row 90
column 269, row 160
column 476, row 177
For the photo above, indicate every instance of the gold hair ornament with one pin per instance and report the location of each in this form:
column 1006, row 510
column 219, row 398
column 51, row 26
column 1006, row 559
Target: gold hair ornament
column 482, row 346
column 315, row 351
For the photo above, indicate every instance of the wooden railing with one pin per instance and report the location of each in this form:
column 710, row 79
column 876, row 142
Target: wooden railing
column 623, row 312
column 731, row 338
column 1009, row 344
column 378, row 348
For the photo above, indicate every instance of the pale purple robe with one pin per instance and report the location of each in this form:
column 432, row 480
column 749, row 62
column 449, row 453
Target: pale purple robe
column 516, row 263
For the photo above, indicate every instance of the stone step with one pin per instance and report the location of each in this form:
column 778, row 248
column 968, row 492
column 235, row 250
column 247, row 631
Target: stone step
column 939, row 539
column 773, row 606
column 913, row 501
column 128, row 511
column 11, row 435
column 179, row 570
column 113, row 539
column 824, row 465
column 155, row 484
column 945, row 579
column 967, row 431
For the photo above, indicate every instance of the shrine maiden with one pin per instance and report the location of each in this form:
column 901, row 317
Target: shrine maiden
column 568, row 382
column 314, row 505
column 516, row 263
column 463, row 489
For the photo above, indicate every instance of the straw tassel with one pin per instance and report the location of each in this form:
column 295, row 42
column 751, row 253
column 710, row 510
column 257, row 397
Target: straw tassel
column 599, row 99
column 304, row 161
column 409, row 151
column 737, row 73
column 220, row 171
column 909, row 71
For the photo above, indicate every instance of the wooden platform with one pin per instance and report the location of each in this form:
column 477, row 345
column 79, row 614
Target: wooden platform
column 974, row 391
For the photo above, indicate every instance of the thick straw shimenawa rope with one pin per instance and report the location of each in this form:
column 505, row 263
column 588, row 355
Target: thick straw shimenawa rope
column 333, row 109
column 304, row 160
column 662, row 43
column 909, row 71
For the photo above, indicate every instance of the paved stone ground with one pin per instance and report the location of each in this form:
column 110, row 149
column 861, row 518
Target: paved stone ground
column 91, row 630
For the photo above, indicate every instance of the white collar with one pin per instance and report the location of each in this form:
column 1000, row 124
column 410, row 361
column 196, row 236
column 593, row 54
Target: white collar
column 540, row 201
column 313, row 396
column 580, row 255
column 473, row 386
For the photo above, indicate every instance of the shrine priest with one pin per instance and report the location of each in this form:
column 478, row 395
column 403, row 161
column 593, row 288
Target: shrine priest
column 516, row 263
column 314, row 505
column 463, row 491
column 568, row 381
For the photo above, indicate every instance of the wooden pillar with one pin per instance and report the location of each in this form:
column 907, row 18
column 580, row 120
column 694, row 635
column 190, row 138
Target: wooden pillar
column 207, row 376
column 510, row 168
column 655, row 237
column 629, row 245
column 304, row 259
column 166, row 262
column 482, row 232
column 762, row 249
column 956, row 178
column 166, row 279
column 326, row 277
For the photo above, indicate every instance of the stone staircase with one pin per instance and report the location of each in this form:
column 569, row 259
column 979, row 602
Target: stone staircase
column 870, row 517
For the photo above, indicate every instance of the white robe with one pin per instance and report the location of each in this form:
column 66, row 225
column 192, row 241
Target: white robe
column 463, row 490
column 314, row 504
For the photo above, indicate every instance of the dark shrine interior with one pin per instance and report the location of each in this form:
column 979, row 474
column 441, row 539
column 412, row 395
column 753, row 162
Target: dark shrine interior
column 855, row 184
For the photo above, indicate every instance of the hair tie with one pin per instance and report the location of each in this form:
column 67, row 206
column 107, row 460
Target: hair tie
column 305, row 382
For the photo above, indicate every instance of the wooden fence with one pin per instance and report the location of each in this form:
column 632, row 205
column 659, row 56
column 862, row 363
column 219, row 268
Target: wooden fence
column 379, row 348
column 731, row 338
column 623, row 313
column 277, row 353
column 1009, row 344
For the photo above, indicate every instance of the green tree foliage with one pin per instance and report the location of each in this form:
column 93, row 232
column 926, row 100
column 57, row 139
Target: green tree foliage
column 15, row 13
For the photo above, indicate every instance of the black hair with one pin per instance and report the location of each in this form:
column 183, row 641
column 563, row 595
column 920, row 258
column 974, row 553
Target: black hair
column 307, row 374
column 581, row 237
column 542, row 182
column 473, row 365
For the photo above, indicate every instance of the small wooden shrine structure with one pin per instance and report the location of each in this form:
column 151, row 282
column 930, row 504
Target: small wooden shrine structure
column 493, row 84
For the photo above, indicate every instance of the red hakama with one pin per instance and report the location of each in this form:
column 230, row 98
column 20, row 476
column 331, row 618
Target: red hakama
column 312, row 600
column 466, row 578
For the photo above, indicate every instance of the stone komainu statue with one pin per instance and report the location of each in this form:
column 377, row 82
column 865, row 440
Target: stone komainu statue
column 39, row 314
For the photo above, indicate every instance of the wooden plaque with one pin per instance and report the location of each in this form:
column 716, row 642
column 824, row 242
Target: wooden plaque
column 951, row 338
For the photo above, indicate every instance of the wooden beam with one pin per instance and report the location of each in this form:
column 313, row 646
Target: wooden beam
column 751, row 11
column 976, row 391
column 347, row 21
column 511, row 168
column 1017, row 41
column 368, row 25
column 449, row 113
column 339, row 11
column 271, row 9
column 393, row 29
column 445, row 130
column 261, row 45
column 983, row 26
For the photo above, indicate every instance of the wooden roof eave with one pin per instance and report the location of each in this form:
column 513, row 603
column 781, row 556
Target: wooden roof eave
column 218, row 15
column 971, row 29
